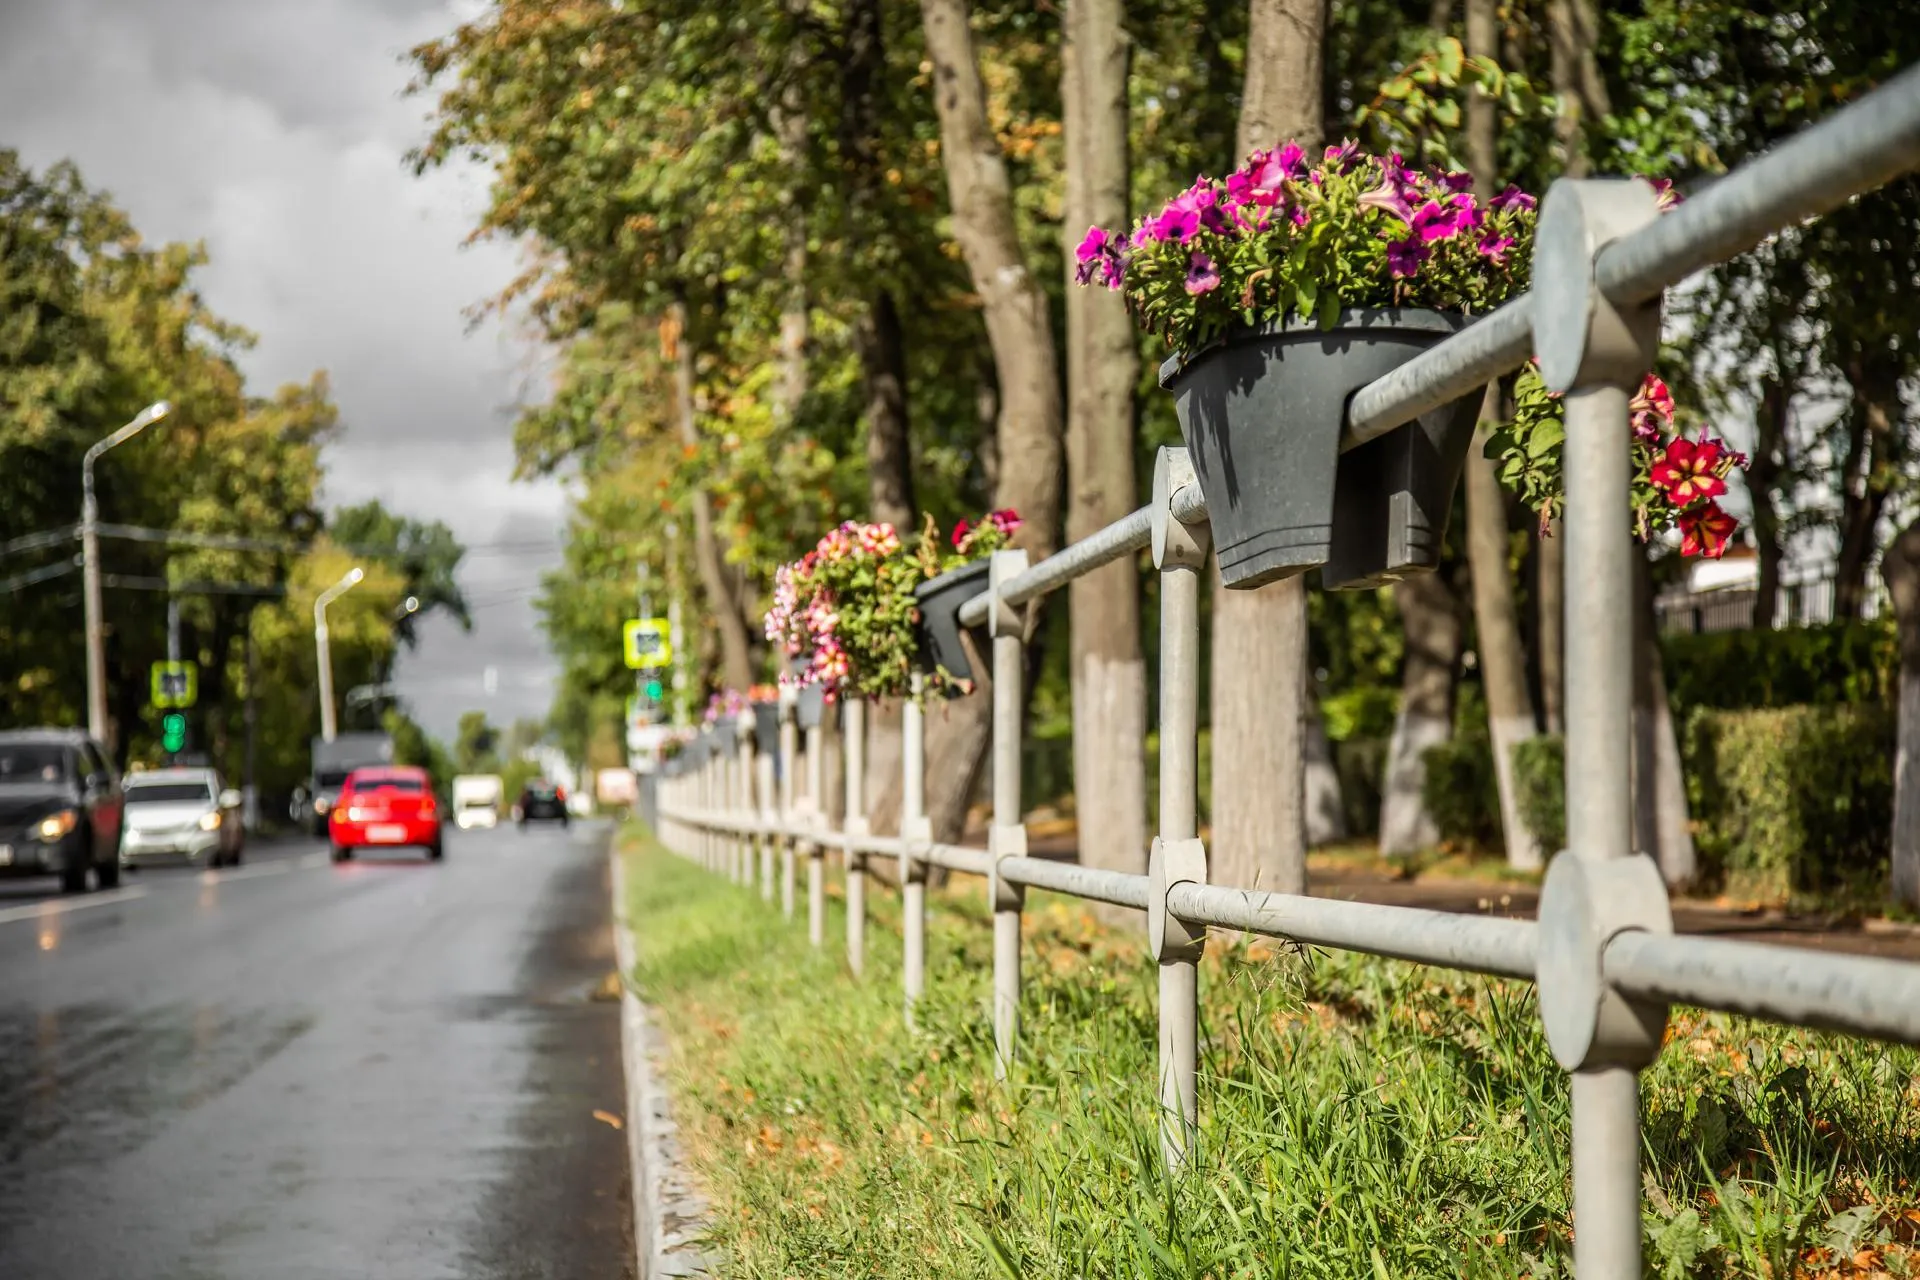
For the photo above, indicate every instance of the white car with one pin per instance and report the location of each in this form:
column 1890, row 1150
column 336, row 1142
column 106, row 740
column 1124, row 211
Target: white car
column 181, row 814
column 476, row 800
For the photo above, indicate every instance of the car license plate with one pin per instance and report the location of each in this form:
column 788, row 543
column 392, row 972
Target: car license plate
column 387, row 834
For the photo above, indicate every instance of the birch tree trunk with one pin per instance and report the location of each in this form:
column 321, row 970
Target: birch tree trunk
column 1503, row 659
column 1900, row 568
column 1430, row 621
column 1109, row 676
column 1260, row 636
column 1020, row 332
column 720, row 584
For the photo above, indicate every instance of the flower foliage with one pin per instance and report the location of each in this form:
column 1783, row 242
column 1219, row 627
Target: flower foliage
column 726, row 705
column 1676, row 481
column 1281, row 237
column 847, row 606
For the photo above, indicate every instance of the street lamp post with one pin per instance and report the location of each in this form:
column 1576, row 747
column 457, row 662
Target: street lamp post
column 90, row 567
column 329, row 729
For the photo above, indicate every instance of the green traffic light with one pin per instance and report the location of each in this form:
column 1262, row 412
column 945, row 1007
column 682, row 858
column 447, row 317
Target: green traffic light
column 173, row 731
column 653, row 689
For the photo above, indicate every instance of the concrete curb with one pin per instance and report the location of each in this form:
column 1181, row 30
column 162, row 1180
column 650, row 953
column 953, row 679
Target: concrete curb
column 669, row 1214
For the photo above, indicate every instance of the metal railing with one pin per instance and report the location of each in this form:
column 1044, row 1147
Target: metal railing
column 1602, row 951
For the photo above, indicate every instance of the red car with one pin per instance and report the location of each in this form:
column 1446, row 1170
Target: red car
column 391, row 806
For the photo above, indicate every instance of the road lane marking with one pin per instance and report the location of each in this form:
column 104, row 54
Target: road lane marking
column 61, row 906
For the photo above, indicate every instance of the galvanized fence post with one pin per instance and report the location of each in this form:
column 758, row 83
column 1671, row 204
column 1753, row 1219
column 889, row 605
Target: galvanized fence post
column 853, row 755
column 789, row 747
column 1007, row 838
column 916, row 832
column 816, row 820
column 1598, row 352
column 1179, row 552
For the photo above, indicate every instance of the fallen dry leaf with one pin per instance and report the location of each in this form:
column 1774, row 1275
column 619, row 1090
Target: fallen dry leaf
column 608, row 1118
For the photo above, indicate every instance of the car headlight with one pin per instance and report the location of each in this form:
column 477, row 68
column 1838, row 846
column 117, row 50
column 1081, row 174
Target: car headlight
column 319, row 804
column 55, row 825
column 210, row 821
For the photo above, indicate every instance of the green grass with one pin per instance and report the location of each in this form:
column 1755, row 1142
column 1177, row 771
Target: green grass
column 1359, row 1118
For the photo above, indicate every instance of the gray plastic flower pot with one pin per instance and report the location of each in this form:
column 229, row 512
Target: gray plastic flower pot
column 810, row 706
column 1262, row 413
column 940, row 600
column 766, row 728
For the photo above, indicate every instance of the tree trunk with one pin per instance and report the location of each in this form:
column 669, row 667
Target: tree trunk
column 1900, row 567
column 1550, row 591
column 1325, row 819
column 883, row 367
column 1020, row 332
column 1763, row 474
column 1864, row 483
column 723, row 595
column 1430, row 621
column 1503, row 659
column 1661, row 829
column 1109, row 675
column 1503, row 670
column 1260, row 637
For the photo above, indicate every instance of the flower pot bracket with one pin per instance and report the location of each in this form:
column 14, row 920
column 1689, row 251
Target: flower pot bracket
column 939, row 600
column 810, row 705
column 1004, row 619
column 1263, row 412
column 766, row 728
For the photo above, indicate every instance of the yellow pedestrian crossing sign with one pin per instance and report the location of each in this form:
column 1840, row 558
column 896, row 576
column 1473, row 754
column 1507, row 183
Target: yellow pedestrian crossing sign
column 647, row 644
column 175, row 685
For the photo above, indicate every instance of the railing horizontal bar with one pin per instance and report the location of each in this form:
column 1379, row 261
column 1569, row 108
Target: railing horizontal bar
column 1123, row 537
column 1851, row 152
column 886, row 845
column 1482, row 944
column 1861, row 994
column 1443, row 373
column 1116, row 887
column 955, row 857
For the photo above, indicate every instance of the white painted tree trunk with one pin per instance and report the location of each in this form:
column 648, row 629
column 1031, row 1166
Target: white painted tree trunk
column 1905, row 884
column 1431, row 624
column 1326, row 815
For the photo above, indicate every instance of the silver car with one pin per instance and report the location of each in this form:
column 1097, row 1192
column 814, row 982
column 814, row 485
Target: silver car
column 181, row 814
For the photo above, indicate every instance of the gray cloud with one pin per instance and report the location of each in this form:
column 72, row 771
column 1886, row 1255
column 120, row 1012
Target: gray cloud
column 276, row 131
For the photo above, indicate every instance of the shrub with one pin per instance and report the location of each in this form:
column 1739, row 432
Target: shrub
column 1793, row 799
column 1361, row 763
column 1540, row 787
column 1460, row 790
column 1840, row 663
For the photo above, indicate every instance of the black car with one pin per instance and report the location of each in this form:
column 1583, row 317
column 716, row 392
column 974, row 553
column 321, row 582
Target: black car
column 60, row 808
column 542, row 801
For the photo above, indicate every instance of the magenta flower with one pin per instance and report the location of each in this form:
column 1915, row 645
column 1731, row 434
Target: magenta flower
column 1404, row 258
column 1453, row 183
column 1343, row 157
column 1201, row 275
column 1664, row 196
column 1395, row 194
column 1513, row 198
column 1434, row 221
column 1494, row 245
column 1263, row 179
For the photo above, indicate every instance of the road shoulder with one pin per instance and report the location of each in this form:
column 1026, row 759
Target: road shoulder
column 669, row 1214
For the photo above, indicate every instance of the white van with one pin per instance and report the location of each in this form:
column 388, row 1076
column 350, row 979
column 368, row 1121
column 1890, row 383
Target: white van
column 476, row 800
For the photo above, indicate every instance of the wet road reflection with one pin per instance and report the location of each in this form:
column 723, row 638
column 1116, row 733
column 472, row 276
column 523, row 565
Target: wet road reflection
column 294, row 1069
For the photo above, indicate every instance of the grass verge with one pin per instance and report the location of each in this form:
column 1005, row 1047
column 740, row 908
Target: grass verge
column 1359, row 1117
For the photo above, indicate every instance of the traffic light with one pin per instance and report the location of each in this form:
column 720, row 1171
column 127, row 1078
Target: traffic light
column 653, row 689
column 173, row 732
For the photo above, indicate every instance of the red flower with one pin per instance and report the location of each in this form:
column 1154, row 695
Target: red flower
column 1706, row 531
column 1652, row 410
column 960, row 532
column 1691, row 471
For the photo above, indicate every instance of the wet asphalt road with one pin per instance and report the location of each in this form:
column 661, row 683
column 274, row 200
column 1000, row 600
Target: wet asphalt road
column 384, row 1069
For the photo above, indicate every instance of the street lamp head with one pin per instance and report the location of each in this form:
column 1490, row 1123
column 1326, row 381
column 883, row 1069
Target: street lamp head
column 354, row 575
column 156, row 411
column 413, row 604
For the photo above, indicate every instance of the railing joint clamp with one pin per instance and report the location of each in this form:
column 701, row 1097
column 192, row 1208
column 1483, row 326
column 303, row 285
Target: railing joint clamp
column 1170, row 863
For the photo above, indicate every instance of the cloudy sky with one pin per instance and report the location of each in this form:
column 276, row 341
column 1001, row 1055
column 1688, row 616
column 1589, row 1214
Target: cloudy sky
column 274, row 130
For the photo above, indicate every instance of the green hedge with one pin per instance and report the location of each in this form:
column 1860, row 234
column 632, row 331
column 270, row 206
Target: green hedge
column 1792, row 799
column 1540, row 782
column 1460, row 790
column 1848, row 662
